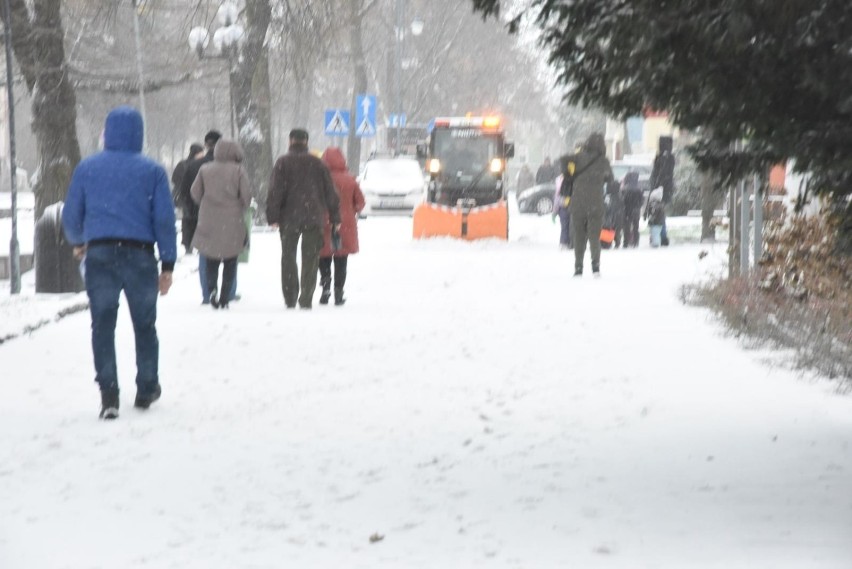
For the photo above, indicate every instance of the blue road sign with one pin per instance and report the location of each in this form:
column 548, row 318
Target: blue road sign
column 365, row 115
column 396, row 120
column 337, row 122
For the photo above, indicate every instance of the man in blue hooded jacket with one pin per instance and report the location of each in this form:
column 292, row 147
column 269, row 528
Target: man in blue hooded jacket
column 118, row 206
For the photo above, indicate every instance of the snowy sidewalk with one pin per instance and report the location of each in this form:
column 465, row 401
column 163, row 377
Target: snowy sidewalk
column 472, row 403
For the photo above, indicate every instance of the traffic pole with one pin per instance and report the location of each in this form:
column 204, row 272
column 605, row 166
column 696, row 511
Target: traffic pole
column 758, row 220
column 14, row 247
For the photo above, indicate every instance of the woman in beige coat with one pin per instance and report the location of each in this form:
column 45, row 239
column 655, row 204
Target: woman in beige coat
column 223, row 194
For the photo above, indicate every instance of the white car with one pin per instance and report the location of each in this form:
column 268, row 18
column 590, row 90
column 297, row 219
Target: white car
column 392, row 185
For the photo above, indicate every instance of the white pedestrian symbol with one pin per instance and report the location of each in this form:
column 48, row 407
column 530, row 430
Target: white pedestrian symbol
column 338, row 125
column 366, row 127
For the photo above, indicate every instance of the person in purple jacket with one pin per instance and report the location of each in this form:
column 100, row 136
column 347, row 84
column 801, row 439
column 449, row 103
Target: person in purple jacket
column 117, row 208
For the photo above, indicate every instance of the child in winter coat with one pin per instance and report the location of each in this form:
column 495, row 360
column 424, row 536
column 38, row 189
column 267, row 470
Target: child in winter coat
column 655, row 213
column 562, row 209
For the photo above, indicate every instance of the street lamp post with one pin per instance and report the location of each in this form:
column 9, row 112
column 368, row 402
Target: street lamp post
column 226, row 38
column 416, row 29
column 14, row 247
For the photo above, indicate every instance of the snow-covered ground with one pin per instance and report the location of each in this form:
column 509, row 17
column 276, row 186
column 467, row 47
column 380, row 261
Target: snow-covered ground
column 472, row 403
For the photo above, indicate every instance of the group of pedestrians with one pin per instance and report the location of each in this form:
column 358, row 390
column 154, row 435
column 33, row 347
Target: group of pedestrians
column 594, row 208
column 119, row 208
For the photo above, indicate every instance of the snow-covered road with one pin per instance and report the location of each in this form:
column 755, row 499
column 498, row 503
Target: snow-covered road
column 472, row 403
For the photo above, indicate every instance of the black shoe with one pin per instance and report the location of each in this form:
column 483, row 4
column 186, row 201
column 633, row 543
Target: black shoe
column 326, row 291
column 214, row 301
column 338, row 297
column 143, row 401
column 109, row 404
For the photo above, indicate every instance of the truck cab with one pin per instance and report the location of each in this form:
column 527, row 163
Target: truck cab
column 466, row 161
column 465, row 158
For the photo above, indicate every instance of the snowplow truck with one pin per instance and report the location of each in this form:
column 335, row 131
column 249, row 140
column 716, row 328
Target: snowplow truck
column 466, row 196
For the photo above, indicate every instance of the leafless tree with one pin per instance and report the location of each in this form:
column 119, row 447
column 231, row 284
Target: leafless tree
column 37, row 36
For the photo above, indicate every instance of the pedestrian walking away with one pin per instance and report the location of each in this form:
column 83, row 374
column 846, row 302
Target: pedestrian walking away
column 188, row 230
column 300, row 195
column 525, row 179
column 117, row 208
column 223, row 193
column 632, row 193
column 546, row 172
column 190, row 215
column 592, row 171
column 613, row 213
column 351, row 203
column 183, row 201
column 662, row 176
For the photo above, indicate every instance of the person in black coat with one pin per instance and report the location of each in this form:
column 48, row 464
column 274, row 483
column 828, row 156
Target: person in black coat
column 633, row 199
column 662, row 176
column 546, row 172
column 181, row 200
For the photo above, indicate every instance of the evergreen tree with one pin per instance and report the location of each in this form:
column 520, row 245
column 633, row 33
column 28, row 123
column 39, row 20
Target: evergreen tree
column 775, row 73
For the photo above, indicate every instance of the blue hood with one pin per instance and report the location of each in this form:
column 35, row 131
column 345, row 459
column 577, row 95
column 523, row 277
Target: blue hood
column 123, row 130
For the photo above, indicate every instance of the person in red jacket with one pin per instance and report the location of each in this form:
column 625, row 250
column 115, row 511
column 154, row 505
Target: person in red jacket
column 351, row 203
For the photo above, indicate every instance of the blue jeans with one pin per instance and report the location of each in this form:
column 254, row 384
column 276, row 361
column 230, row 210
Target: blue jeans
column 565, row 224
column 202, row 275
column 109, row 270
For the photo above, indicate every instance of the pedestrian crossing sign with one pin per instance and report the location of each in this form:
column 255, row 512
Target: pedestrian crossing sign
column 365, row 115
column 337, row 122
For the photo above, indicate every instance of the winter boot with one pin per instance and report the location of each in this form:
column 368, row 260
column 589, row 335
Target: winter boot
column 578, row 272
column 214, row 298
column 325, row 283
column 144, row 400
column 338, row 297
column 109, row 404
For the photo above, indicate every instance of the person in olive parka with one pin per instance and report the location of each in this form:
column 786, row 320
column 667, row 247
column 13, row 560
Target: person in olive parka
column 592, row 171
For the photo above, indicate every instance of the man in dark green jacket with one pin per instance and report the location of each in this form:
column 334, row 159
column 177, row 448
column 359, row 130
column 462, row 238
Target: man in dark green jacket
column 592, row 171
column 301, row 194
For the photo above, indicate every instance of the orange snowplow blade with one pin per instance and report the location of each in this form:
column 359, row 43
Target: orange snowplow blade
column 432, row 220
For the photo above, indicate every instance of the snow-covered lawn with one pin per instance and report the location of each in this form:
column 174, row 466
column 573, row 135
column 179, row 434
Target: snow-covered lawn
column 472, row 403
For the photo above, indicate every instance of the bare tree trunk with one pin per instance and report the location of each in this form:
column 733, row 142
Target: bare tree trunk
column 250, row 82
column 263, row 97
column 305, row 89
column 359, row 83
column 39, row 50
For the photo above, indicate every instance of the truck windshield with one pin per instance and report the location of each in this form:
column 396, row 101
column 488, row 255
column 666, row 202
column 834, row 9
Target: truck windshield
column 465, row 150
